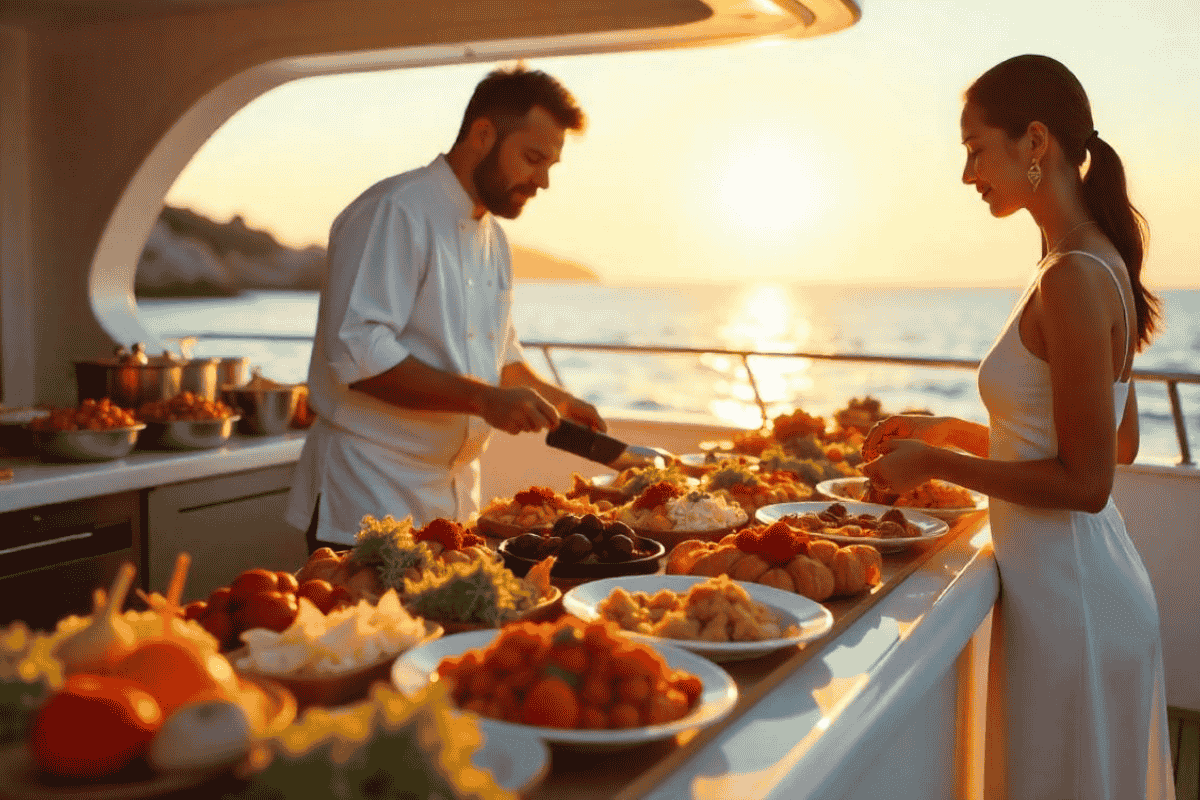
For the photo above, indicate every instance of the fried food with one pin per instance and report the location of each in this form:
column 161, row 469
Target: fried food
column 717, row 610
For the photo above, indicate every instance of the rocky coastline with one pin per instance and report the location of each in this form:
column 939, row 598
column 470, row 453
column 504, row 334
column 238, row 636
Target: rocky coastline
column 190, row 255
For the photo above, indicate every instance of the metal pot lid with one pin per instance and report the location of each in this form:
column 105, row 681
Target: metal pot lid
column 123, row 357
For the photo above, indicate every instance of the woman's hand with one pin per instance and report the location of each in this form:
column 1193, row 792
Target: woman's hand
column 931, row 430
column 902, row 464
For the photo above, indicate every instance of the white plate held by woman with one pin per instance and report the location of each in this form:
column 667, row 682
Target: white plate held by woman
column 811, row 618
column 854, row 489
column 418, row 666
column 930, row 528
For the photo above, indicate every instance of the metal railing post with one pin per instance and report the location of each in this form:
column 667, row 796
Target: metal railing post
column 1185, row 451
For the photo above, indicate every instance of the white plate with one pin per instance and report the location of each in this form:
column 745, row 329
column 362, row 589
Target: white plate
column 412, row 671
column 854, row 488
column 930, row 528
column 605, row 481
column 696, row 460
column 812, row 618
column 516, row 763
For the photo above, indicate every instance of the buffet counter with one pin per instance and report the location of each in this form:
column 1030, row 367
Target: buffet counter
column 889, row 703
column 36, row 483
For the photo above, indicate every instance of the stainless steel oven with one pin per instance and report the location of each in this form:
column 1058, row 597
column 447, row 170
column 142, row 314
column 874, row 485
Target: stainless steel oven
column 52, row 557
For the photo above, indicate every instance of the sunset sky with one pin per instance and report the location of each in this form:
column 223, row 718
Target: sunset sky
column 832, row 159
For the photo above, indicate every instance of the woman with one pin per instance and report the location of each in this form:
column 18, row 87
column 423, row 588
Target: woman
column 1076, row 703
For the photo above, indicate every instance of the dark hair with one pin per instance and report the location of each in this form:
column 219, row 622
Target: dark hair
column 506, row 96
column 1031, row 88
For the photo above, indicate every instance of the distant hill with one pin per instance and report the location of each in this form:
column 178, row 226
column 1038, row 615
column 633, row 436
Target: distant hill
column 534, row 265
column 189, row 254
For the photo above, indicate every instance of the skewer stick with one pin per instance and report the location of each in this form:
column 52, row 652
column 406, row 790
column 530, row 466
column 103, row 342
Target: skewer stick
column 175, row 591
column 120, row 588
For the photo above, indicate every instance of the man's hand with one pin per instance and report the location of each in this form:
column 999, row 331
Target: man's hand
column 518, row 409
column 575, row 409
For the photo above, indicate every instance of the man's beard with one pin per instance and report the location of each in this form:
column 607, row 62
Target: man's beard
column 493, row 190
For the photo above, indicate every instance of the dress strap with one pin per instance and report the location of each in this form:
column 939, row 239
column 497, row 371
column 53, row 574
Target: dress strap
column 1120, row 293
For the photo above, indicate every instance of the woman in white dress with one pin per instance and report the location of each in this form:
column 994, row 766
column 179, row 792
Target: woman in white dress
column 1076, row 701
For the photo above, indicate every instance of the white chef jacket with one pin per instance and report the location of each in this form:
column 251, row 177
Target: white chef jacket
column 410, row 273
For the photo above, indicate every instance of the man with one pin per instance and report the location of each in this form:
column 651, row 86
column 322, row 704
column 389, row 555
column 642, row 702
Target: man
column 415, row 357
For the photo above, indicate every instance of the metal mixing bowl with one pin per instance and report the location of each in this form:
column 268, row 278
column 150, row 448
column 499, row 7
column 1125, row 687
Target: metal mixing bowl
column 266, row 411
column 86, row 445
column 188, row 434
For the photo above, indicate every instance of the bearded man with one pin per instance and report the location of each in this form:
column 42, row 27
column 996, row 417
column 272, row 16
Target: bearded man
column 415, row 358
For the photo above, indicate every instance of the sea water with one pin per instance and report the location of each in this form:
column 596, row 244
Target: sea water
column 958, row 323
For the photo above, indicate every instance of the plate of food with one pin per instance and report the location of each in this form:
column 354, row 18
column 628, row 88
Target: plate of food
column 327, row 660
column 697, row 465
column 715, row 617
column 21, row 779
column 885, row 528
column 671, row 514
column 533, row 509
column 603, row 714
column 935, row 498
column 584, row 548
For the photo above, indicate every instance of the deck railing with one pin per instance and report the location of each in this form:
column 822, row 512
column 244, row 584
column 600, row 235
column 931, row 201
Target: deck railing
column 1171, row 380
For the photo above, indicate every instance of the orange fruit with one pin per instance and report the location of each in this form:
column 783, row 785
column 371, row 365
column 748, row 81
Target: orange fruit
column 172, row 673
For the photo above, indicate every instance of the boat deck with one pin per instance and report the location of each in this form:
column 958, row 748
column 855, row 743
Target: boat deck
column 1185, row 751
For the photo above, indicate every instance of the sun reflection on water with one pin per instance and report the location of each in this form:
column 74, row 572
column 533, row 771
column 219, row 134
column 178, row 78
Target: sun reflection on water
column 765, row 318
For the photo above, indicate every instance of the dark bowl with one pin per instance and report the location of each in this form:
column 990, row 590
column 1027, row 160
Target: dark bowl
column 589, row 571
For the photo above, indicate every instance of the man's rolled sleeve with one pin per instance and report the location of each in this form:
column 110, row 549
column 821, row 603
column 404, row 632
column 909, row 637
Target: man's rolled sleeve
column 389, row 262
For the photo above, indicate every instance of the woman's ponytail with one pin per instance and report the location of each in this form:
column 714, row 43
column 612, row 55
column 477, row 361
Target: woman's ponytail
column 1107, row 199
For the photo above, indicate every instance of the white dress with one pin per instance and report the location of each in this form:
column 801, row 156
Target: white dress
column 1076, row 707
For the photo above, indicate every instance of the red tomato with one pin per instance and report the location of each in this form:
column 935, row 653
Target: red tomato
column 287, row 582
column 319, row 593
column 220, row 625
column 219, row 599
column 94, row 726
column 252, row 581
column 195, row 609
column 342, row 597
column 271, row 610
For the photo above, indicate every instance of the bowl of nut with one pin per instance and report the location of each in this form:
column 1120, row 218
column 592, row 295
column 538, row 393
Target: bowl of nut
column 586, row 548
column 186, row 421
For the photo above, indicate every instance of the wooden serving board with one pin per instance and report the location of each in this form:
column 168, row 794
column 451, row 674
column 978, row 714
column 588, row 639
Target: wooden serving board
column 633, row 773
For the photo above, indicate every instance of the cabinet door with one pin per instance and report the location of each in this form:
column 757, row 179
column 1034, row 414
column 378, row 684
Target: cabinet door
column 226, row 524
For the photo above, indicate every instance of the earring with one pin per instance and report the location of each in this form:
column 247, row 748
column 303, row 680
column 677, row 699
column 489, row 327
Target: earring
column 1034, row 174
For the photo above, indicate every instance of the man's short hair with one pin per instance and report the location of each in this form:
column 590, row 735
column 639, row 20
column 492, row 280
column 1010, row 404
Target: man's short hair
column 506, row 96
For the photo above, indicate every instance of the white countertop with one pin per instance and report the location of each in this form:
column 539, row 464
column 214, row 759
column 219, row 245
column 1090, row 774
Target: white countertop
column 815, row 734
column 35, row 483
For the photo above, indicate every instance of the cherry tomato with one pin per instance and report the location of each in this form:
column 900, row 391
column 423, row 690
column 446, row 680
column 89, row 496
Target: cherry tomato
column 271, row 610
column 320, row 593
column 195, row 609
column 342, row 597
column 220, row 625
column 287, row 582
column 252, row 581
column 219, row 599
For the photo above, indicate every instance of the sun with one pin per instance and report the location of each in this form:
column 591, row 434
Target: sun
column 768, row 185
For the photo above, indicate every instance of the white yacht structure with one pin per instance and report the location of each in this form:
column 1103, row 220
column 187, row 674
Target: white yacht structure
column 102, row 104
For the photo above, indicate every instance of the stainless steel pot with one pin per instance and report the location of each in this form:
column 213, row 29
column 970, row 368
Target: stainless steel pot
column 130, row 379
column 233, row 371
column 199, row 375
